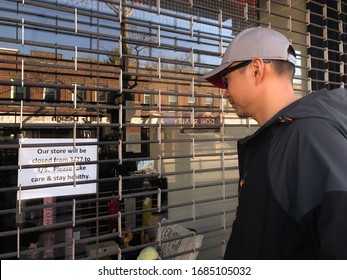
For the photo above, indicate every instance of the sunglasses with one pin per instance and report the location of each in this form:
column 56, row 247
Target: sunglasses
column 233, row 68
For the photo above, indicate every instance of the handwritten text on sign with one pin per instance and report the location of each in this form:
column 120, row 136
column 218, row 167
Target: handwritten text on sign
column 79, row 170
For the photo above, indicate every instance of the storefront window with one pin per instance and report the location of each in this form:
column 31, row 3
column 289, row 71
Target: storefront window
column 132, row 142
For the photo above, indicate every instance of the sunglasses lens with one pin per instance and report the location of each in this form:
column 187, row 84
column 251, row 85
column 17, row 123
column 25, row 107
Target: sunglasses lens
column 225, row 82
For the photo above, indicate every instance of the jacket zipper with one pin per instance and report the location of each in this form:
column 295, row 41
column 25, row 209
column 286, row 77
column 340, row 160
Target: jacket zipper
column 242, row 182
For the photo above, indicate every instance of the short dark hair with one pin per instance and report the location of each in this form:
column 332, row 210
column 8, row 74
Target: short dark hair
column 283, row 67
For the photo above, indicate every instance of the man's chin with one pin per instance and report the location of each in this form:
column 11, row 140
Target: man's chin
column 241, row 115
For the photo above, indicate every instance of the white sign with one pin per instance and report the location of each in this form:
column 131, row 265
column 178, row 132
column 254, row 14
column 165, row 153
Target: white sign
column 78, row 170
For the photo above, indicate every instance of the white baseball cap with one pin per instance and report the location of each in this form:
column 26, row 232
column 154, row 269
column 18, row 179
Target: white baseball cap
column 253, row 42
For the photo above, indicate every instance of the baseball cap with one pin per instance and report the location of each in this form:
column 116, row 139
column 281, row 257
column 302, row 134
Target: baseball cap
column 253, row 42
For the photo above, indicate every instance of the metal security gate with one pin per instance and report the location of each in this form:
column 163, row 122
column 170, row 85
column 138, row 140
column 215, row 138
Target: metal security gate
column 110, row 140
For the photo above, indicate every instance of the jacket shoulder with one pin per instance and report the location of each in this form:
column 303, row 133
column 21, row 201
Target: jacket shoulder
column 307, row 159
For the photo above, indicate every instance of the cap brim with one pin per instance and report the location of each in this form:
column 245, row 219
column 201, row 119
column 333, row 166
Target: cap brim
column 214, row 76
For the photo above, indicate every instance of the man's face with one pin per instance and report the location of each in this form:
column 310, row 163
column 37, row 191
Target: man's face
column 236, row 91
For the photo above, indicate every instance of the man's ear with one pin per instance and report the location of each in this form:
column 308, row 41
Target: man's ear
column 257, row 68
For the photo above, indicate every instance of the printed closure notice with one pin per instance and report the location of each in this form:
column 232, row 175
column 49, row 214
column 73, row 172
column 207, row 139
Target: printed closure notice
column 75, row 167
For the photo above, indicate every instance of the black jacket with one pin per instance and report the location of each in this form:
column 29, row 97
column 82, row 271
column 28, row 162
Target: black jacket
column 293, row 183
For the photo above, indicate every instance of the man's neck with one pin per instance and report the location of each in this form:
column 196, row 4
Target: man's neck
column 275, row 99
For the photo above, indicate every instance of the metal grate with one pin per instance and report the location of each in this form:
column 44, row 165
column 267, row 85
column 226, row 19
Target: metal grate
column 108, row 134
column 327, row 42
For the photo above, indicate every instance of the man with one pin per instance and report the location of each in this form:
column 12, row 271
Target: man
column 293, row 169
